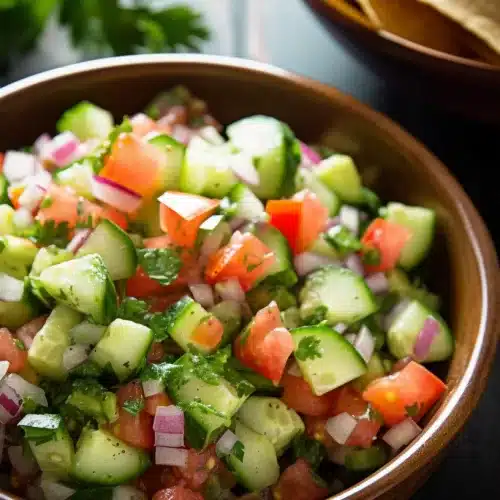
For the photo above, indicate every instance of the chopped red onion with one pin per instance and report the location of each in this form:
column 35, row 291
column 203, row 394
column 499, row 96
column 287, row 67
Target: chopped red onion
column 115, row 195
column 74, row 355
column 203, row 294
column 309, row 156
column 23, row 463
column 22, row 218
column 341, row 427
column 340, row 327
column 392, row 315
column 4, row 367
column 307, row 262
column 78, row 240
column 351, row 337
column 243, row 168
column 169, row 420
column 11, row 289
column 125, row 492
column 332, row 222
column 401, row 434
column 401, row 363
column 425, row 338
column 25, row 389
column 171, row 456
column 54, row 490
column 41, row 144
column 349, row 217
column 62, row 149
column 2, row 441
column 365, row 343
column 230, row 290
column 18, row 165
column 169, row 440
column 236, row 223
column 226, row 443
column 353, row 262
column 294, row 370
column 378, row 283
column 152, row 387
column 32, row 196
column 10, row 403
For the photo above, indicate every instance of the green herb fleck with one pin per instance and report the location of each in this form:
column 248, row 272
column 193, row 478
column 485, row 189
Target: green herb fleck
column 47, row 202
column 371, row 256
column 20, row 344
column 309, row 348
column 2, row 245
column 412, row 410
column 134, row 406
column 342, row 240
column 238, row 451
column 161, row 264
column 49, row 233
column 80, row 208
column 311, row 450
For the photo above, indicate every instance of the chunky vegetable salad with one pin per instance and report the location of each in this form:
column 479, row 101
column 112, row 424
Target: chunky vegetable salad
column 192, row 313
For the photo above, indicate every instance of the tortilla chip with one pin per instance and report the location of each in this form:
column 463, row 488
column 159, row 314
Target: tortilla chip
column 481, row 17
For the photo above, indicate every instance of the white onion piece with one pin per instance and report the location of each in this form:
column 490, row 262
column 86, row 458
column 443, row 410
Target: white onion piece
column 26, row 390
column 309, row 156
column 350, row 217
column 125, row 492
column 22, row 462
column 55, row 491
column 22, row 218
column 41, row 144
column 74, row 355
column 307, row 262
column 31, row 196
column 378, row 283
column 169, row 440
column 62, row 149
column 231, row 290
column 2, row 441
column 211, row 134
column 243, row 168
column 341, row 427
column 350, row 337
column 294, row 370
column 226, row 443
column 115, row 195
column 4, row 367
column 353, row 262
column 171, row 456
column 11, row 289
column 78, row 240
column 152, row 387
column 203, row 294
column 18, row 165
column 425, row 337
column 365, row 343
column 10, row 403
column 340, row 327
column 169, row 420
column 401, row 434
column 394, row 313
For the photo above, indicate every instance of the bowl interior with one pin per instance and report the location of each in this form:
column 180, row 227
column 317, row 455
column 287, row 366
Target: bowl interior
column 392, row 163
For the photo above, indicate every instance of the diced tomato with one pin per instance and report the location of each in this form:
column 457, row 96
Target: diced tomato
column 177, row 493
column 388, row 238
column 156, row 352
column 142, row 286
column 155, row 478
column 349, row 401
column 134, row 164
column 266, row 345
column 158, row 242
column 208, row 333
column 297, row 483
column 2, row 157
column 181, row 215
column 151, row 403
column 409, row 392
column 316, row 429
column 119, row 218
column 300, row 219
column 129, row 392
column 11, row 351
column 245, row 258
column 143, row 125
column 298, row 395
column 364, row 433
column 161, row 304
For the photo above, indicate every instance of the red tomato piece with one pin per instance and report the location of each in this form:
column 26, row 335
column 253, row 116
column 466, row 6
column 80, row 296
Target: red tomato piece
column 286, row 215
column 11, row 351
column 156, row 352
column 161, row 304
column 142, row 286
column 349, row 401
column 151, row 403
column 119, row 218
column 177, row 493
column 388, row 238
column 134, row 164
column 155, row 478
column 181, row 215
column 409, row 392
column 2, row 156
column 298, row 483
column 316, row 429
column 208, row 333
column 298, row 395
column 245, row 258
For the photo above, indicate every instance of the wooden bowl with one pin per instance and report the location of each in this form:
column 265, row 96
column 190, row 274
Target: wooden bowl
column 463, row 265
column 465, row 85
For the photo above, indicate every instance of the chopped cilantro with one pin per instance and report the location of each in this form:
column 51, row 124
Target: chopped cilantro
column 80, row 209
column 20, row 344
column 161, row 264
column 317, row 316
column 49, row 233
column 29, row 406
column 134, row 406
column 370, row 200
column 412, row 410
column 309, row 348
column 47, row 202
column 311, row 450
column 134, row 310
column 196, row 404
column 87, row 223
column 238, row 451
column 371, row 256
column 342, row 240
column 87, row 369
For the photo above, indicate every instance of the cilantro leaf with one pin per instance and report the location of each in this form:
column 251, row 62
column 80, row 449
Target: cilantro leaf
column 371, row 256
column 342, row 240
column 317, row 316
column 238, row 451
column 49, row 233
column 20, row 344
column 134, row 406
column 196, row 404
column 161, row 264
column 133, row 309
column 40, row 428
column 412, row 410
column 309, row 348
column 311, row 450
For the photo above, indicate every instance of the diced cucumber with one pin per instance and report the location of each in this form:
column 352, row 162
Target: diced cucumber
column 216, row 229
column 275, row 151
column 115, row 247
column 17, row 250
column 124, row 346
column 228, row 312
column 147, row 219
column 4, row 193
column 404, row 331
column 87, row 333
column 366, row 460
column 77, row 176
column 420, row 222
column 93, row 401
column 83, row 284
column 86, row 121
column 375, row 369
column 184, row 317
column 340, row 174
column 46, row 352
column 245, row 204
column 291, row 318
column 174, row 157
column 6, row 219
column 206, row 170
column 322, row 247
column 262, row 295
column 15, row 314
column 273, row 419
column 330, row 362
column 307, row 179
column 399, row 283
column 281, row 271
column 259, row 467
column 101, row 458
column 342, row 294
